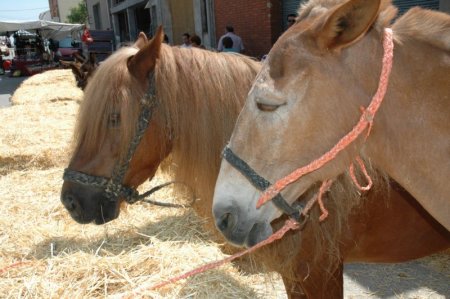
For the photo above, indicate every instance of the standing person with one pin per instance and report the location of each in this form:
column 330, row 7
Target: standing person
column 227, row 44
column 186, row 40
column 291, row 20
column 86, row 39
column 238, row 46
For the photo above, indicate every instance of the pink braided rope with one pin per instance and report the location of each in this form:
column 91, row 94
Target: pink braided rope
column 365, row 121
column 290, row 224
column 364, row 170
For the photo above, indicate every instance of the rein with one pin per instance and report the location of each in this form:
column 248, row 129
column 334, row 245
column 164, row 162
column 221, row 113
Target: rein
column 365, row 122
column 114, row 189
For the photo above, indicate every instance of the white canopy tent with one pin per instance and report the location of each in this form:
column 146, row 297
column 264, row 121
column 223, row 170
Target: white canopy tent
column 47, row 29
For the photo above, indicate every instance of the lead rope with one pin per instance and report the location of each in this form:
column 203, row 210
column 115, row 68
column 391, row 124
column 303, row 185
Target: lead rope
column 365, row 122
column 290, row 224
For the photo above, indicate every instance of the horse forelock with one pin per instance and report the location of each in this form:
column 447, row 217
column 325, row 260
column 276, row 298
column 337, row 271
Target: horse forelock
column 314, row 8
column 112, row 89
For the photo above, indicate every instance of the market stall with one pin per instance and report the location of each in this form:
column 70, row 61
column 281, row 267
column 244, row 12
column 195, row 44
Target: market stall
column 31, row 46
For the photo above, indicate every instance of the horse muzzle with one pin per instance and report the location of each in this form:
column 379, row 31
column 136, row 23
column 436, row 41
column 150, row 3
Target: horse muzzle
column 88, row 204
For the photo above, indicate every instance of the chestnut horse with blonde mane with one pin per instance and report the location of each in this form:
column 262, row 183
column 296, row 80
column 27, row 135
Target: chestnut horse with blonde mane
column 198, row 95
column 307, row 97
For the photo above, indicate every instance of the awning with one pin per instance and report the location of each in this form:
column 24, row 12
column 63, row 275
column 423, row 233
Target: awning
column 47, row 29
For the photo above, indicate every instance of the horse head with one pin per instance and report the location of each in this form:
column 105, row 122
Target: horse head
column 82, row 68
column 109, row 161
column 306, row 97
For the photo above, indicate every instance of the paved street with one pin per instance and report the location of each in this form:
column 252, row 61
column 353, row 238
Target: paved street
column 7, row 87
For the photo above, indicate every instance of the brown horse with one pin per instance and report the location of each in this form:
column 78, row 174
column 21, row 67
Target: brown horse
column 199, row 95
column 308, row 96
column 82, row 68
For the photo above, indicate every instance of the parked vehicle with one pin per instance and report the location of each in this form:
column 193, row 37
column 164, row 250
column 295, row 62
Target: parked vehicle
column 66, row 47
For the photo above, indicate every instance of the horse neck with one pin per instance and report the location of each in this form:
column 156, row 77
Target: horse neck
column 410, row 136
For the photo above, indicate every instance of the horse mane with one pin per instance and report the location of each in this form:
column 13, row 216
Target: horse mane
column 201, row 94
column 429, row 26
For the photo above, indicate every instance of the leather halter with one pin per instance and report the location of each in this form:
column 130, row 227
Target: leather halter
column 114, row 189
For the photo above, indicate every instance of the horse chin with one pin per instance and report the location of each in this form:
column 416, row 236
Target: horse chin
column 106, row 216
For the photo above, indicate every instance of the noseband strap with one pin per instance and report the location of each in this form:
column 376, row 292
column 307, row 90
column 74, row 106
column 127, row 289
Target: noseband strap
column 261, row 183
column 112, row 191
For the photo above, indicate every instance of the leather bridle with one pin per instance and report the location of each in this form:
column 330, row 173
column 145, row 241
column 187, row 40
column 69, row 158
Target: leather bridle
column 113, row 187
column 260, row 183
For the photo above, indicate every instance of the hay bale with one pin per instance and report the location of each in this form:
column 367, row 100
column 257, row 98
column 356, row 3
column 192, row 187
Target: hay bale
column 36, row 136
column 49, row 86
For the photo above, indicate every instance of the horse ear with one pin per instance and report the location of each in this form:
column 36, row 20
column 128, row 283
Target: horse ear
column 347, row 23
column 141, row 40
column 141, row 64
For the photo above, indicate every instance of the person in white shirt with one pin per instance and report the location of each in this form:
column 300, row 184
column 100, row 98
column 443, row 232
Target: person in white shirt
column 186, row 41
column 238, row 46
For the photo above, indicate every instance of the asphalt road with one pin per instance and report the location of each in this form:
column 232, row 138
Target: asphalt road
column 7, row 87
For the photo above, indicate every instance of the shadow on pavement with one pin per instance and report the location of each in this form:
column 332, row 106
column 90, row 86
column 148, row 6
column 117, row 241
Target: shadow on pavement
column 8, row 86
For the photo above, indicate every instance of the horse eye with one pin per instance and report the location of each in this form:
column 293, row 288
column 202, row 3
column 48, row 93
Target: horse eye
column 114, row 120
column 266, row 107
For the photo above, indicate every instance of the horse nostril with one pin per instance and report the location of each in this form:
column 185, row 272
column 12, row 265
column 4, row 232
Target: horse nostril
column 226, row 222
column 70, row 202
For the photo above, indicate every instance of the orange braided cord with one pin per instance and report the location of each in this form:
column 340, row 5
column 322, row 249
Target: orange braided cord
column 318, row 198
column 14, row 265
column 365, row 120
column 323, row 188
column 364, row 170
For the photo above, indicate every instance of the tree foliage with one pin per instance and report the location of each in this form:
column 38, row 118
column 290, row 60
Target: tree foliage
column 78, row 14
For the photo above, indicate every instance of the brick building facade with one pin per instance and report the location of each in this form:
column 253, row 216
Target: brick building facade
column 260, row 22
column 257, row 22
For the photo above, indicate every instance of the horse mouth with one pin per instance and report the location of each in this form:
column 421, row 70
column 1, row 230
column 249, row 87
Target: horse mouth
column 259, row 232
column 104, row 218
column 86, row 206
column 99, row 219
